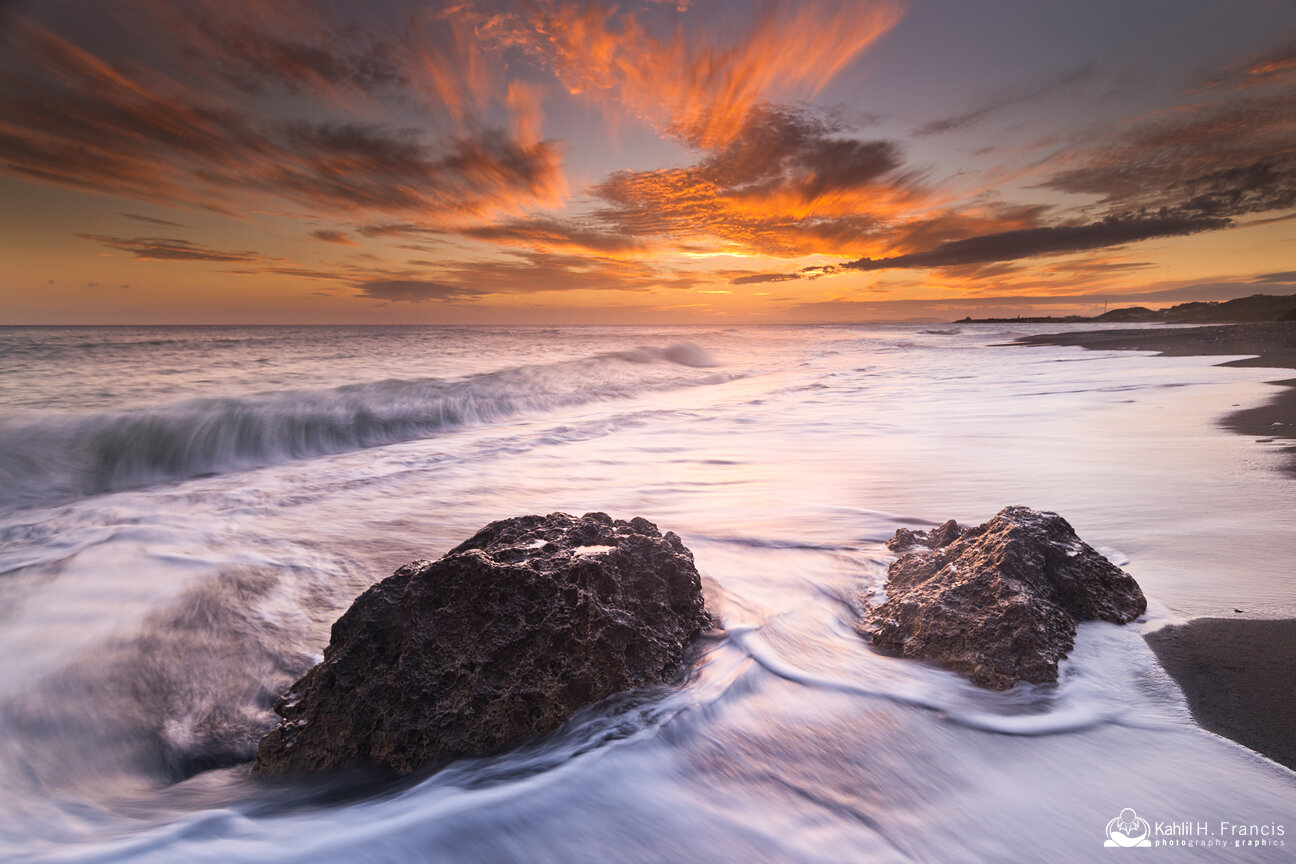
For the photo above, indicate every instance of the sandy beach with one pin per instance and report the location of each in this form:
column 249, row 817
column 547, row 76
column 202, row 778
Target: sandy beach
column 1274, row 343
column 1238, row 675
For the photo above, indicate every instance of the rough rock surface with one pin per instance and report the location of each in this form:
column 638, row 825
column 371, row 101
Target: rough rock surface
column 503, row 638
column 999, row 602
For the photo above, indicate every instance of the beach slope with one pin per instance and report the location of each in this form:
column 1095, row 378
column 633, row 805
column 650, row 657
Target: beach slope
column 1238, row 675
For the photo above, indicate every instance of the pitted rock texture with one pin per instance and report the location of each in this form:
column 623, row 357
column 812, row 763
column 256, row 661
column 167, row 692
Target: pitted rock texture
column 942, row 535
column 500, row 640
column 1000, row 602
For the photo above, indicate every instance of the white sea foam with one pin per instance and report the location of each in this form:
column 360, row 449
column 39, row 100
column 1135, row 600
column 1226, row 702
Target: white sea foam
column 48, row 457
column 148, row 630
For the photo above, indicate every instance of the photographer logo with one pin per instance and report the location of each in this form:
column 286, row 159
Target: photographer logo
column 1128, row 829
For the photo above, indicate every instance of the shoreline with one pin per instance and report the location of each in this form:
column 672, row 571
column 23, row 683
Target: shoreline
column 1238, row 675
column 1273, row 342
column 1239, row 678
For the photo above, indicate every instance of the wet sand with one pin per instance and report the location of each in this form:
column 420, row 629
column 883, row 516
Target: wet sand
column 1238, row 675
column 1274, row 343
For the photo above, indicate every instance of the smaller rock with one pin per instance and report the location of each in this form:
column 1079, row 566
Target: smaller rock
column 999, row 602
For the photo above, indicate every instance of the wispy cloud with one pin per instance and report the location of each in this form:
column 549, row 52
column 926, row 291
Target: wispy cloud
column 550, row 233
column 75, row 119
column 700, row 81
column 1048, row 86
column 1048, row 240
column 338, row 238
column 1204, row 165
column 758, row 278
column 1216, row 158
column 168, row 249
column 149, row 220
column 413, row 290
column 288, row 46
column 1275, row 66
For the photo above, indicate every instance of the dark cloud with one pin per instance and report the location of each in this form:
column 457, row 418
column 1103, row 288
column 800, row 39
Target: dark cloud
column 251, row 52
column 168, row 249
column 74, row 119
column 364, row 167
column 1050, row 86
column 414, row 290
column 796, row 149
column 790, row 181
column 1212, row 158
column 337, row 237
column 1284, row 277
column 328, row 51
column 1053, row 240
column 397, row 229
column 149, row 220
column 1260, row 187
column 1174, row 173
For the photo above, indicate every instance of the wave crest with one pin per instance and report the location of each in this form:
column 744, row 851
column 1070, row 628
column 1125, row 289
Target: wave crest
column 62, row 456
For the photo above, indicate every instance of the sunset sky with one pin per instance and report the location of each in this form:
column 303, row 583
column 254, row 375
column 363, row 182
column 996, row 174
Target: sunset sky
column 233, row 161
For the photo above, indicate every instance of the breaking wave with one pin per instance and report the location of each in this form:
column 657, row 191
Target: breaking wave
column 55, row 457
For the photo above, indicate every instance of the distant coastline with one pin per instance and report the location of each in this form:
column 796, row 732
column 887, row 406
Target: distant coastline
column 1257, row 307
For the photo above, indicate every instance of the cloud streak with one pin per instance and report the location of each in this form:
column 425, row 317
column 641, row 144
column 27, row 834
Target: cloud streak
column 1049, row 240
column 413, row 291
column 1215, row 158
column 1050, row 86
column 74, row 119
column 337, row 238
column 547, row 233
column 149, row 220
column 168, row 249
column 699, row 82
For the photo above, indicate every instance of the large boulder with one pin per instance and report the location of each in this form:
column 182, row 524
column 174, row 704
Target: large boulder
column 502, row 639
column 999, row 602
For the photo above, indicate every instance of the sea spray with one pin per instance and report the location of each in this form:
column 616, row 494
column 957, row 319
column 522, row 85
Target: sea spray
column 54, row 457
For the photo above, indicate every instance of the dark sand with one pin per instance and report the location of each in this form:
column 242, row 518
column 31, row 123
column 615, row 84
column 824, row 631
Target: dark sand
column 1238, row 675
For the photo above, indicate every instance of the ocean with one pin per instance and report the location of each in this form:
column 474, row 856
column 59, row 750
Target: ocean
column 185, row 510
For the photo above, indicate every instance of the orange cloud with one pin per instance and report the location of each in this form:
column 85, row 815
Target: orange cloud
column 72, row 118
column 787, row 183
column 695, row 82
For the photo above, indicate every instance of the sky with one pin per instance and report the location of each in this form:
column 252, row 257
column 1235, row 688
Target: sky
column 665, row 161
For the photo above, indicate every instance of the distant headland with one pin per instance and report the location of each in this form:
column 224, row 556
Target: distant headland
column 1257, row 307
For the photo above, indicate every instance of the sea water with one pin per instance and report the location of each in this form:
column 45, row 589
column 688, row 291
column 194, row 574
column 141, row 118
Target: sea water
column 185, row 511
